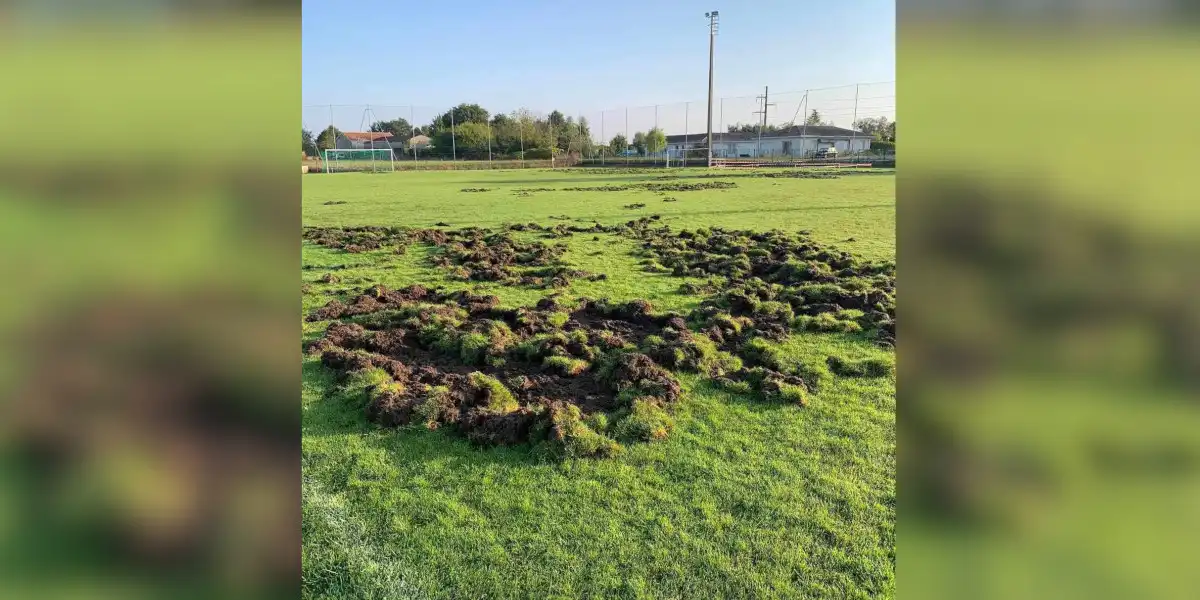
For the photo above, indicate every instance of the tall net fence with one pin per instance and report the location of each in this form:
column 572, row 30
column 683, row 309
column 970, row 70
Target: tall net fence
column 468, row 136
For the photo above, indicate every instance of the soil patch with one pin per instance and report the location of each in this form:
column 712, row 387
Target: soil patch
column 501, row 376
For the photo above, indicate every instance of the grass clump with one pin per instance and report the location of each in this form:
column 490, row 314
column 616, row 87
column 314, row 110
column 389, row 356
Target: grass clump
column 369, row 384
column 429, row 411
column 815, row 375
column 711, row 360
column 500, row 335
column 761, row 351
column 473, row 348
column 793, row 394
column 825, row 322
column 566, row 365
column 496, row 397
column 558, row 319
column 439, row 338
column 867, row 367
column 775, row 309
column 734, row 386
column 598, row 421
column 646, row 421
column 575, row 439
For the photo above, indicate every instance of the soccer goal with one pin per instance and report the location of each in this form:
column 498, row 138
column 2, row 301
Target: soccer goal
column 376, row 160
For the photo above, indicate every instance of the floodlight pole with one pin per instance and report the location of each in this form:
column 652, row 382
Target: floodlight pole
column 712, row 39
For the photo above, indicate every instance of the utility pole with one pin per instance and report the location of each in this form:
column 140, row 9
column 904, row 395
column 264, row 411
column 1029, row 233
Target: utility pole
column 712, row 40
column 850, row 144
column 762, row 123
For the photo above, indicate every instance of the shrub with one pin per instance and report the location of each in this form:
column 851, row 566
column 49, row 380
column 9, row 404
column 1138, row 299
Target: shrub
column 646, row 421
column 565, row 365
column 538, row 154
column 497, row 397
column 575, row 438
column 883, row 147
column 473, row 348
column 868, row 367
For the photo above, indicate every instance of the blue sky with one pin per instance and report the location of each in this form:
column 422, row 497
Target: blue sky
column 584, row 58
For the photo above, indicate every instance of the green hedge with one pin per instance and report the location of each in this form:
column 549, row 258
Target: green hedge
column 538, row 154
column 883, row 146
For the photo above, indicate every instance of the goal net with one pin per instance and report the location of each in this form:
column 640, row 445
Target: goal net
column 375, row 160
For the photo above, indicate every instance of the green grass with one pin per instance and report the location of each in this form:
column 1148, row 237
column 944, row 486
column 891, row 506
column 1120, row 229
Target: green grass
column 743, row 499
column 857, row 206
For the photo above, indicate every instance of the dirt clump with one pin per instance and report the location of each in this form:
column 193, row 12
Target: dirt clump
column 500, row 376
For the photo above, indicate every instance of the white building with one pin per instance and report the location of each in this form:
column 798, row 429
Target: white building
column 798, row 141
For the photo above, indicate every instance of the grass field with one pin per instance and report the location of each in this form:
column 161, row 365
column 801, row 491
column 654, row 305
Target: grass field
column 744, row 499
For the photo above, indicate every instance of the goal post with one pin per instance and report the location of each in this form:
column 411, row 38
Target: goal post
column 372, row 160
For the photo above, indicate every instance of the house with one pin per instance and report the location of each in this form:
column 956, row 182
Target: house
column 364, row 140
column 797, row 140
column 420, row 142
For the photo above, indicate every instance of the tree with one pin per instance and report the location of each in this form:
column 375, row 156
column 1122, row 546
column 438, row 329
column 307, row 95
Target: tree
column 618, row 144
column 814, row 118
column 307, row 143
column 880, row 128
column 328, row 138
column 656, row 141
column 400, row 128
column 556, row 118
column 470, row 141
column 639, row 142
column 463, row 113
column 753, row 128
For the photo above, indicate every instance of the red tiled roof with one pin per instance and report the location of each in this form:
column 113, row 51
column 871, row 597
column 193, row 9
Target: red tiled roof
column 366, row 136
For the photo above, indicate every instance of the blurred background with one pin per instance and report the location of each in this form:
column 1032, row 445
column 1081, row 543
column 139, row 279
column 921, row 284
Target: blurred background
column 1049, row 354
column 148, row 219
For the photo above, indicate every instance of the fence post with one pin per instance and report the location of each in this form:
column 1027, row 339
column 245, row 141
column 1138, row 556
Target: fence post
column 656, row 127
column 412, row 117
column 453, row 145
